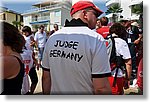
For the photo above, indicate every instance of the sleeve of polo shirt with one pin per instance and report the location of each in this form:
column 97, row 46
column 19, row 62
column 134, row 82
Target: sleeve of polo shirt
column 45, row 60
column 124, row 50
column 100, row 63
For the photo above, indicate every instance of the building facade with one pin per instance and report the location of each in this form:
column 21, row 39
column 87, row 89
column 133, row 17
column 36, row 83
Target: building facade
column 74, row 1
column 11, row 17
column 48, row 13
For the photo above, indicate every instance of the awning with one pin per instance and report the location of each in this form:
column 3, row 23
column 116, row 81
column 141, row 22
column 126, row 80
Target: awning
column 40, row 22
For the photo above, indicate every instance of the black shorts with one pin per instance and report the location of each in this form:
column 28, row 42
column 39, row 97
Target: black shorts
column 33, row 75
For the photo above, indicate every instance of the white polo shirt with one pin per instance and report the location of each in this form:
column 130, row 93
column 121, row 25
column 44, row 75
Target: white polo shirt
column 40, row 38
column 74, row 55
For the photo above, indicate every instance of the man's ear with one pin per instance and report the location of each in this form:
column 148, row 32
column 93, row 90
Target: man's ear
column 84, row 14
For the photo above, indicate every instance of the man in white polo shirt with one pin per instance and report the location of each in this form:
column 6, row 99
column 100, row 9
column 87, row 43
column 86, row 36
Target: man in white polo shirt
column 75, row 60
column 40, row 39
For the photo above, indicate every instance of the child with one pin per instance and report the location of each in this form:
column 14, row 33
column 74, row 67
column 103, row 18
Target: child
column 29, row 37
column 28, row 63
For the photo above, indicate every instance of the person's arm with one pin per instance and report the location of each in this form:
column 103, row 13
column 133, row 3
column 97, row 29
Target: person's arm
column 138, row 40
column 102, row 86
column 35, row 61
column 46, row 82
column 128, row 63
column 36, row 40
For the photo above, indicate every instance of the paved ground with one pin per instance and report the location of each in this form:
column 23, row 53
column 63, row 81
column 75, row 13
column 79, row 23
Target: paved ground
column 38, row 89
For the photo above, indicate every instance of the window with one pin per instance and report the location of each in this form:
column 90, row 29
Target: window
column 21, row 18
column 57, row 13
column 36, row 18
column 4, row 16
column 16, row 17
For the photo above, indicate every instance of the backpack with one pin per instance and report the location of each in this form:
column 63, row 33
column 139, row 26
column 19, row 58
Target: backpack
column 111, row 49
column 115, row 61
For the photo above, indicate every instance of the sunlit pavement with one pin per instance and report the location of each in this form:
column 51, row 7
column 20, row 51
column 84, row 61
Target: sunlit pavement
column 38, row 89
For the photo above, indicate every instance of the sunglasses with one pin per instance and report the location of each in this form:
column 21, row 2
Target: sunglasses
column 93, row 12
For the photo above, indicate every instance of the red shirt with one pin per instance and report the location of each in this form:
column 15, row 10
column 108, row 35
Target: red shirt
column 104, row 31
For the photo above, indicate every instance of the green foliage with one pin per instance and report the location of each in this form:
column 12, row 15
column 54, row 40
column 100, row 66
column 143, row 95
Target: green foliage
column 114, row 9
column 137, row 9
column 16, row 23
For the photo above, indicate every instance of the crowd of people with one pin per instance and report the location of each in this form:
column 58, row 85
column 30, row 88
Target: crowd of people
column 74, row 59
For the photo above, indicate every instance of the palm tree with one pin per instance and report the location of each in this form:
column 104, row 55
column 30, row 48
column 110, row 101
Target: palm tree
column 16, row 23
column 114, row 9
column 137, row 9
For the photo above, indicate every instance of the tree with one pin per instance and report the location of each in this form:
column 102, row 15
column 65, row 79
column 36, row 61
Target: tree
column 137, row 9
column 16, row 23
column 114, row 9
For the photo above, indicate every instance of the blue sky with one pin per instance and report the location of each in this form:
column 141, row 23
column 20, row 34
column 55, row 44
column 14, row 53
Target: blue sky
column 21, row 6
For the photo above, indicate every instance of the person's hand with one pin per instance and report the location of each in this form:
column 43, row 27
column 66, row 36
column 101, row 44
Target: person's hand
column 137, row 41
column 32, row 43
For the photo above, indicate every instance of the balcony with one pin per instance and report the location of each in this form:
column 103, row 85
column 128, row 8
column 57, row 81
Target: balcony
column 41, row 8
column 46, row 8
column 111, row 2
column 42, row 19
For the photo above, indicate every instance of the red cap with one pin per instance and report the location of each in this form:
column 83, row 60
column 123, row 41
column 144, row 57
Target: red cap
column 80, row 5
